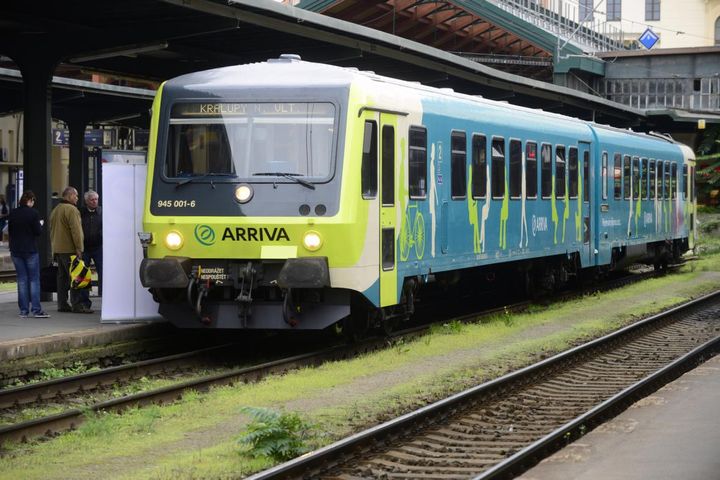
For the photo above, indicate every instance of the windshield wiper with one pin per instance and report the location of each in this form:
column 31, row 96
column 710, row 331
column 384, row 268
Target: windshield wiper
column 187, row 180
column 291, row 176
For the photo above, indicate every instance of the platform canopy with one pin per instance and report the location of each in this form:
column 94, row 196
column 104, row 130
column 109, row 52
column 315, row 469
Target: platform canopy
column 158, row 39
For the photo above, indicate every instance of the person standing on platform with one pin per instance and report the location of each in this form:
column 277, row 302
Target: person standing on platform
column 24, row 227
column 66, row 238
column 4, row 213
column 91, row 217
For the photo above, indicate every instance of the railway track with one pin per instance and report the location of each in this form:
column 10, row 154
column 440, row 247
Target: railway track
column 8, row 276
column 72, row 390
column 501, row 428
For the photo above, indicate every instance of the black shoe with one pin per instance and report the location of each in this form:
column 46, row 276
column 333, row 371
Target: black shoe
column 82, row 309
column 65, row 308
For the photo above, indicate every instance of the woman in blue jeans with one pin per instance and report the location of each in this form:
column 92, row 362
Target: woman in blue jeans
column 24, row 227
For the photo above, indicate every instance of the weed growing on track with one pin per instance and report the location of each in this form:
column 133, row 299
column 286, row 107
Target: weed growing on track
column 277, row 435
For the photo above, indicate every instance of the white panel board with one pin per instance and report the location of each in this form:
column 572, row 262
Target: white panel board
column 124, row 298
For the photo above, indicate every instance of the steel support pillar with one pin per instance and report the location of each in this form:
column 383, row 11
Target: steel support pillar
column 78, row 165
column 37, row 75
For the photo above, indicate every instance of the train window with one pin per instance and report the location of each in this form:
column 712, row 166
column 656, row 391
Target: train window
column 667, row 180
column 458, row 165
column 660, row 179
column 586, row 176
column 388, row 165
column 673, row 180
column 531, row 170
column 691, row 185
column 417, row 163
column 685, row 182
column 546, row 170
column 626, row 177
column 651, row 179
column 498, row 168
column 604, row 176
column 196, row 150
column 617, row 176
column 368, row 170
column 635, row 178
column 644, row 178
column 515, row 168
column 573, row 172
column 479, row 166
column 559, row 171
column 251, row 141
column 388, row 248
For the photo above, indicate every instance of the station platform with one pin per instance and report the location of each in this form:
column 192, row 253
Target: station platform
column 24, row 337
column 672, row 434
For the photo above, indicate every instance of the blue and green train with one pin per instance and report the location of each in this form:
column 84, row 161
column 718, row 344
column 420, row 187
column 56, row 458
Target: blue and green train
column 296, row 195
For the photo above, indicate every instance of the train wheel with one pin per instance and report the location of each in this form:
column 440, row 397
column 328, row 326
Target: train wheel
column 354, row 327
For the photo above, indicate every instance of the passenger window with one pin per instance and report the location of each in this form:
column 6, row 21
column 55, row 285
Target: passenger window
column 626, row 177
column 660, row 179
column 667, row 179
column 644, row 179
column 368, row 171
column 635, row 178
column 417, row 163
column 479, row 170
column 531, row 170
column 586, row 176
column 673, row 180
column 573, row 172
column 617, row 176
column 388, row 165
column 515, row 168
column 546, row 171
column 605, row 176
column 498, row 168
column 388, row 248
column 559, row 171
column 458, row 165
column 652, row 179
column 685, row 182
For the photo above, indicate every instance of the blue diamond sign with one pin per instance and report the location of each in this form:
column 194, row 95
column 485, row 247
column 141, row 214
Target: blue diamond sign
column 649, row 38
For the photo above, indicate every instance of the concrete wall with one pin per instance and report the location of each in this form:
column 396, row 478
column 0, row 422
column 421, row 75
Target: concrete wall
column 694, row 18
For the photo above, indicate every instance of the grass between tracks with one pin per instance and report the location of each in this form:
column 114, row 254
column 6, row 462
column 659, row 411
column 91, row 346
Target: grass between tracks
column 197, row 437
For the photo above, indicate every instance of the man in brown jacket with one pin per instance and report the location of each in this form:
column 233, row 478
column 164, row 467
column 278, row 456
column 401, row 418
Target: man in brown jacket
column 66, row 239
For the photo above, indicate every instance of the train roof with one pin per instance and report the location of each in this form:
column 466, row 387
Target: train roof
column 286, row 71
column 289, row 70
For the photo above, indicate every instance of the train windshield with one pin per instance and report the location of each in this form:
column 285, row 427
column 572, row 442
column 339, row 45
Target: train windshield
column 251, row 141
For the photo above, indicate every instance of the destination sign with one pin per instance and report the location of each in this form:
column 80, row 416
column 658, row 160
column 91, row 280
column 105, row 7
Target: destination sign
column 251, row 109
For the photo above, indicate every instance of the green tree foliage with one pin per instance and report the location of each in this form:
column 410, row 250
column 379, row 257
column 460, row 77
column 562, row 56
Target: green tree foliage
column 707, row 171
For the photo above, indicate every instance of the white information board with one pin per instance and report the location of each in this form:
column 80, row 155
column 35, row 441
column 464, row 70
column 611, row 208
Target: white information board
column 124, row 298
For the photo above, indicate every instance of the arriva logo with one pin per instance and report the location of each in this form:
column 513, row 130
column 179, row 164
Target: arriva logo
column 205, row 235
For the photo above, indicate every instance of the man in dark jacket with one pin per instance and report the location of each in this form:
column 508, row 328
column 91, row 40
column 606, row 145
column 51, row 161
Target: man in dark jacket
column 91, row 217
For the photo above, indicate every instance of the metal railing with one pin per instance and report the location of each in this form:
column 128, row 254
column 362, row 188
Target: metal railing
column 561, row 17
column 699, row 94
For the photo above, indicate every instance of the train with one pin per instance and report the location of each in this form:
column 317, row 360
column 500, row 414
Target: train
column 292, row 195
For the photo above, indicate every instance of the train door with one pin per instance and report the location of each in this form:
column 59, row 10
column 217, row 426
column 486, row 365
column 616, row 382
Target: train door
column 588, row 192
column 388, row 209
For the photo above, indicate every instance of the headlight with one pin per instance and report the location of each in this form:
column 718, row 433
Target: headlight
column 312, row 241
column 243, row 193
column 174, row 240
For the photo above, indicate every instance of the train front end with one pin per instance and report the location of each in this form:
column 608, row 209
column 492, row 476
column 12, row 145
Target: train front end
column 243, row 225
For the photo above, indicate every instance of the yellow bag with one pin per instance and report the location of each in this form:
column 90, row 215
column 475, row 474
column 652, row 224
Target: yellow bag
column 80, row 276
